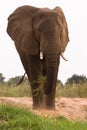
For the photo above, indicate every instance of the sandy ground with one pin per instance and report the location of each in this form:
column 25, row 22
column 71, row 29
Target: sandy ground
column 71, row 108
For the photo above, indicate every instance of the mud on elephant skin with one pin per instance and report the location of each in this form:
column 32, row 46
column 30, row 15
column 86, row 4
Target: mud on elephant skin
column 39, row 32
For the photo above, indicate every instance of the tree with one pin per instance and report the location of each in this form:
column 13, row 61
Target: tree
column 77, row 79
column 59, row 83
column 1, row 78
column 15, row 81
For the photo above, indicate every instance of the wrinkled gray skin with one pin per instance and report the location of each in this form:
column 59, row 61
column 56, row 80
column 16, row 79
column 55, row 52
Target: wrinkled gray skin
column 34, row 30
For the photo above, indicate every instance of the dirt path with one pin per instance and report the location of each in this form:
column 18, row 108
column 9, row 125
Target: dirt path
column 71, row 108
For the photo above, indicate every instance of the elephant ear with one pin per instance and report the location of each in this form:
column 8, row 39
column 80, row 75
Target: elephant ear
column 20, row 29
column 64, row 38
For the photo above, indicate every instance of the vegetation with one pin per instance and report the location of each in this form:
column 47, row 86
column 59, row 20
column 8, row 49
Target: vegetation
column 1, row 78
column 77, row 79
column 72, row 90
column 76, row 86
column 12, row 118
column 19, row 91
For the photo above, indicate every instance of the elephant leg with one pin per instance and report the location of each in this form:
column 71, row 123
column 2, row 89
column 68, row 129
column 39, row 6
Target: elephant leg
column 35, row 72
column 32, row 67
column 50, row 99
column 50, row 90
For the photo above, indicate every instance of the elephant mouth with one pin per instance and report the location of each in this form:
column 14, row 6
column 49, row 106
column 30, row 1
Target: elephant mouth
column 41, row 56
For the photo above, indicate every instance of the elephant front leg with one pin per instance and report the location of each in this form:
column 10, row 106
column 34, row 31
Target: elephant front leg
column 32, row 67
column 35, row 72
column 37, row 96
column 50, row 100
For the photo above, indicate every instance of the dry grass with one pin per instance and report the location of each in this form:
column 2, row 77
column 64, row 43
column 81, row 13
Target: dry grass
column 69, row 90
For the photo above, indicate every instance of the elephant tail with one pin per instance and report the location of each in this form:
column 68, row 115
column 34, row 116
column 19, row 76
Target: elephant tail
column 22, row 78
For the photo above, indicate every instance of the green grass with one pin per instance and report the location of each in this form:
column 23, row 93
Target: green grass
column 12, row 118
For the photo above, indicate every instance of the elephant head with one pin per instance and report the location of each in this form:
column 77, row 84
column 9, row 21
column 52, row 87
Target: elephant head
column 41, row 36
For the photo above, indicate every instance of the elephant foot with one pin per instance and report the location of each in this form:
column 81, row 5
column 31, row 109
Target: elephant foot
column 41, row 106
column 38, row 101
column 36, row 104
column 36, row 107
column 50, row 107
column 50, row 102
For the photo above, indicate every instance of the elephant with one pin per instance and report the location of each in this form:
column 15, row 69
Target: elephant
column 40, row 37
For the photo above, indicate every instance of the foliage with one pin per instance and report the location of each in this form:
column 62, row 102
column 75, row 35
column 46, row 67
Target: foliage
column 12, row 91
column 12, row 118
column 72, row 90
column 1, row 78
column 76, row 79
column 16, row 80
column 69, row 90
column 41, row 81
column 59, row 83
column 76, row 86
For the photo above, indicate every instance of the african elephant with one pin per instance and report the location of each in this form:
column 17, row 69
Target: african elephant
column 40, row 36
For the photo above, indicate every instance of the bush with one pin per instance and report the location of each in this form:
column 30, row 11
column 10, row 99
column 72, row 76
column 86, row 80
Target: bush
column 76, row 79
column 72, row 90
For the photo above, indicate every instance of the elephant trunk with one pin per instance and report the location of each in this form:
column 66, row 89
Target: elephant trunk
column 52, row 63
column 52, row 70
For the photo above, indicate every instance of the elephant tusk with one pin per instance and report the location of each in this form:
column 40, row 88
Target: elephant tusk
column 41, row 55
column 63, row 57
